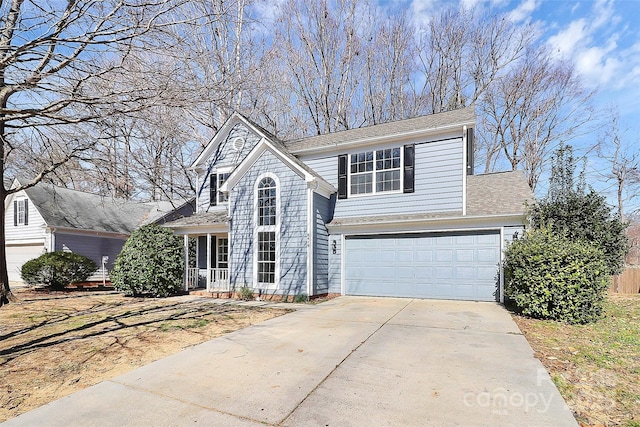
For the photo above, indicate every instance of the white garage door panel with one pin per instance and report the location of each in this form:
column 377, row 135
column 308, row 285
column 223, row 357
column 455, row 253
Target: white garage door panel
column 18, row 255
column 449, row 266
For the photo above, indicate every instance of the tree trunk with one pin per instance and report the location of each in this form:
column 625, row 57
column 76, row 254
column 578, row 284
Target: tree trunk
column 5, row 291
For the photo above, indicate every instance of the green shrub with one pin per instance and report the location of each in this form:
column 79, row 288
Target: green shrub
column 301, row 298
column 245, row 294
column 57, row 269
column 580, row 214
column 150, row 263
column 549, row 276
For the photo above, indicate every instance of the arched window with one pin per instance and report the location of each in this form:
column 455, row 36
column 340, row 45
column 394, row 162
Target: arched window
column 267, row 202
column 266, row 223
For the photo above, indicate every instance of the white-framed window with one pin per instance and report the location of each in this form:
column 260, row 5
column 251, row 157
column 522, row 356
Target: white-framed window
column 266, row 257
column 267, row 197
column 21, row 212
column 216, row 179
column 376, row 171
column 266, row 230
column 223, row 252
column 222, row 178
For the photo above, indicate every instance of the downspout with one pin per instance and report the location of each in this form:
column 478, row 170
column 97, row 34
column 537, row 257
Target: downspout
column 501, row 269
column 310, row 238
column 464, row 170
column 52, row 239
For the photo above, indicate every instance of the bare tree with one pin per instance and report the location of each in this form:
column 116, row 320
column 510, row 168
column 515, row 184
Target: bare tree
column 319, row 40
column 537, row 105
column 462, row 52
column 622, row 162
column 51, row 54
column 388, row 65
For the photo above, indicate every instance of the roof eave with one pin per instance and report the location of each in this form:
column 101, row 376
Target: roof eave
column 493, row 221
column 388, row 138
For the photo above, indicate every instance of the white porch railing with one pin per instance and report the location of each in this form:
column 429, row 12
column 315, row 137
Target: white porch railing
column 218, row 279
column 193, row 277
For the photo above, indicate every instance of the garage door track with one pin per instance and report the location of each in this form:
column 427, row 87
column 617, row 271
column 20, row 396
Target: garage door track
column 351, row 361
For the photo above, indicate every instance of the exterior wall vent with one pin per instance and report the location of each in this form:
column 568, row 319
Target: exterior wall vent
column 238, row 143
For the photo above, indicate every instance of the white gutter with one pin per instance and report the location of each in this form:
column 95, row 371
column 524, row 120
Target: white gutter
column 464, row 170
column 112, row 234
column 310, row 241
column 409, row 225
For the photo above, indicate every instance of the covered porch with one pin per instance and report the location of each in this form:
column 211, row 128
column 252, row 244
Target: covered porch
column 206, row 251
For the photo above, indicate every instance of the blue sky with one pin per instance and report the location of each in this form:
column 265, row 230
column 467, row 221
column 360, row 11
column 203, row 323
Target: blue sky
column 600, row 37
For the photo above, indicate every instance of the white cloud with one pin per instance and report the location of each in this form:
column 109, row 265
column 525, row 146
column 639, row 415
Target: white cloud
column 421, row 11
column 566, row 41
column 596, row 65
column 523, row 11
column 591, row 42
column 469, row 4
column 267, row 10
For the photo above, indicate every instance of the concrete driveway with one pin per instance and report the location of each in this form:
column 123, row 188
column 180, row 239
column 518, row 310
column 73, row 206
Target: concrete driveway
column 351, row 361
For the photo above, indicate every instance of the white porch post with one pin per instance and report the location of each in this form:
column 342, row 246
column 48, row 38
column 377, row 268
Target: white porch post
column 186, row 262
column 208, row 261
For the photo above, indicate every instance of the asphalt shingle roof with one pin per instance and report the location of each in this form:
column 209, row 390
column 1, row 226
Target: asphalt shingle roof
column 200, row 219
column 502, row 193
column 64, row 208
column 497, row 193
column 430, row 122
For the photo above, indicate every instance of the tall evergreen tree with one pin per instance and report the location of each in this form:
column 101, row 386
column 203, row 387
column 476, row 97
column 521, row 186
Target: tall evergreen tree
column 579, row 213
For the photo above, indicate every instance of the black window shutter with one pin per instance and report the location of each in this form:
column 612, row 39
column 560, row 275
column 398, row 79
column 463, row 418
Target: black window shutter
column 342, row 176
column 15, row 213
column 213, row 189
column 470, row 151
column 409, row 167
column 26, row 211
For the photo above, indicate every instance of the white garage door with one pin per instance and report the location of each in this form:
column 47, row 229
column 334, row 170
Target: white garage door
column 18, row 255
column 460, row 266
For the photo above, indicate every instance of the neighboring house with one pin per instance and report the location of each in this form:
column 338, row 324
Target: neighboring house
column 386, row 210
column 47, row 218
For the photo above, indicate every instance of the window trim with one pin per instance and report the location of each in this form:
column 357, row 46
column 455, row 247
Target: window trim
column 21, row 212
column 219, row 252
column 273, row 228
column 221, row 171
column 374, row 173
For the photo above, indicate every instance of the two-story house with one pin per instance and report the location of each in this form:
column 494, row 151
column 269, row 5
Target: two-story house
column 386, row 210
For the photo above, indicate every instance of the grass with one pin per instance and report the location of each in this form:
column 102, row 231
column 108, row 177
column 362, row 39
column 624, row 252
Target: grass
column 596, row 367
column 52, row 344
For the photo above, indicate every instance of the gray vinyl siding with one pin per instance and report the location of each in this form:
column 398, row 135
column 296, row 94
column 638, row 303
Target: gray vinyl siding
column 438, row 183
column 225, row 156
column 182, row 212
column 292, row 216
column 335, row 264
column 93, row 247
column 323, row 209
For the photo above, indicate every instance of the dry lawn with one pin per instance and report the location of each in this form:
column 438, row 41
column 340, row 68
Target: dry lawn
column 53, row 344
column 596, row 367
